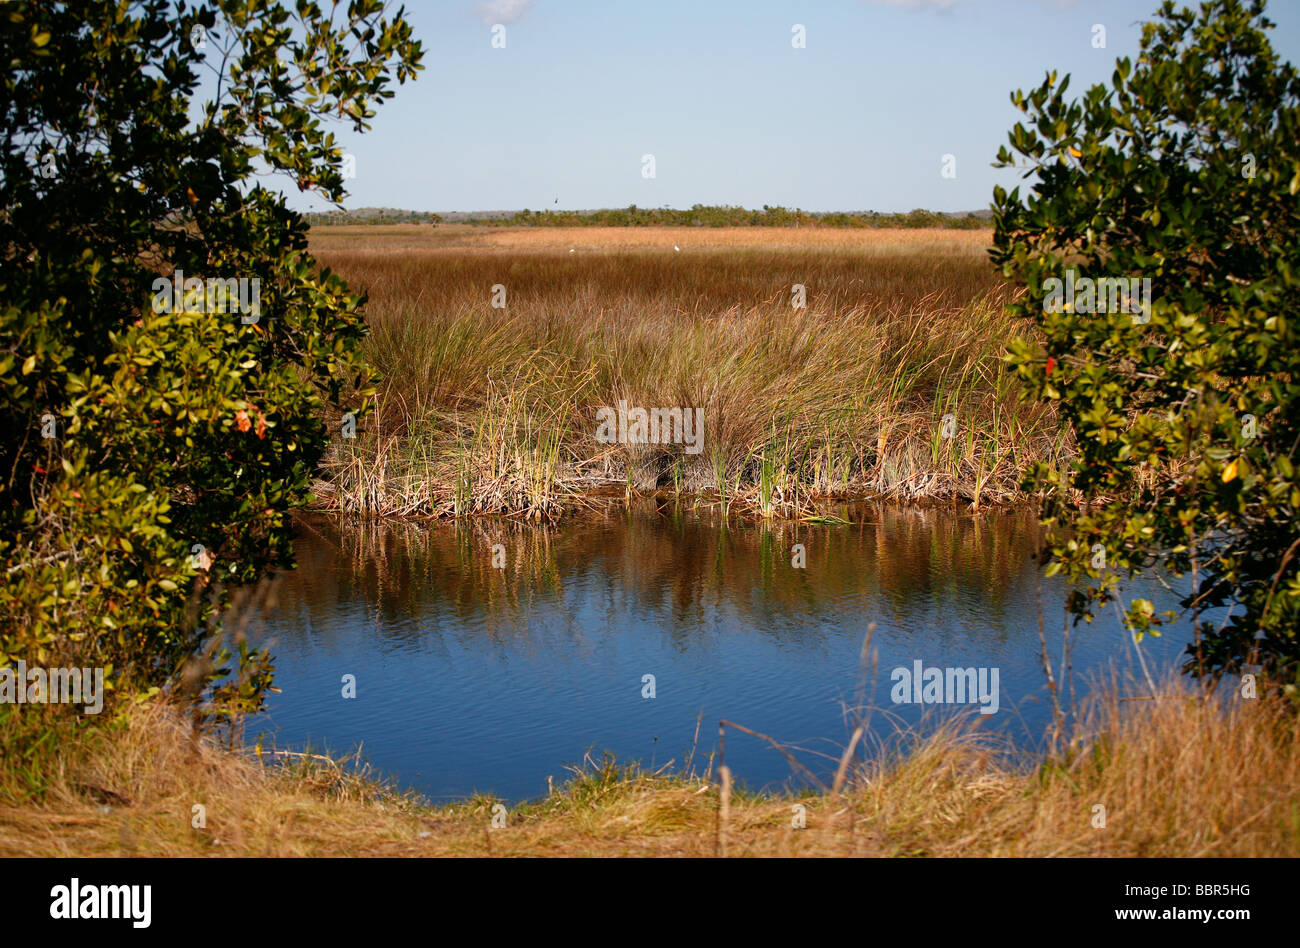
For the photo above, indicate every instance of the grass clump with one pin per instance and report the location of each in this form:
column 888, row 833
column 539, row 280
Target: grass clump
column 888, row 382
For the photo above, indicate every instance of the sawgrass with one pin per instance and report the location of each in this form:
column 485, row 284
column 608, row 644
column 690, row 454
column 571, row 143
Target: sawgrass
column 493, row 410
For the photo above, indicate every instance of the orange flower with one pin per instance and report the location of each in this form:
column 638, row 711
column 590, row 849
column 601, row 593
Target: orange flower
column 241, row 419
column 261, row 425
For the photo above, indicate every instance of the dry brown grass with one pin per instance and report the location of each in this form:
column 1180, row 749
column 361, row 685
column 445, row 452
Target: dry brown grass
column 1178, row 777
column 385, row 238
column 493, row 410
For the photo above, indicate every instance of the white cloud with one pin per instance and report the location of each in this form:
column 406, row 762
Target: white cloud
column 502, row 11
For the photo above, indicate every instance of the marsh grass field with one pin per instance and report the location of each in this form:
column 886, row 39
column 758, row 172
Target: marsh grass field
column 491, row 409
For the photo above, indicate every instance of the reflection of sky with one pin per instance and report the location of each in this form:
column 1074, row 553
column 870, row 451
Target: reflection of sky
column 460, row 691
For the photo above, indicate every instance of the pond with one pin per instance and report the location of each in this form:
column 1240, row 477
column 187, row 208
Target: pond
column 489, row 655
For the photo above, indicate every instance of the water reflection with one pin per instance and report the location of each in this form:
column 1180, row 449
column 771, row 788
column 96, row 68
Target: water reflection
column 472, row 677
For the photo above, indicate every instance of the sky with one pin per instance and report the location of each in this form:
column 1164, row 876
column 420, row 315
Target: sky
column 862, row 117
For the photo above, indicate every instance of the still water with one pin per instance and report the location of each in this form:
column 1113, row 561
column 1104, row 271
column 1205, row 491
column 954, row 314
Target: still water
column 473, row 677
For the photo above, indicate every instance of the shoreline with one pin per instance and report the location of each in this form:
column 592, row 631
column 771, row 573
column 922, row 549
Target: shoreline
column 130, row 789
column 745, row 505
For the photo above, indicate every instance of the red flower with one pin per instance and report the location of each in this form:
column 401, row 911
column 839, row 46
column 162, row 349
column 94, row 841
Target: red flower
column 1051, row 364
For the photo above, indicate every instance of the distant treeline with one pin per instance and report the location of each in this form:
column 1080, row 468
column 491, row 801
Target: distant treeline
column 725, row 216
column 632, row 216
column 371, row 215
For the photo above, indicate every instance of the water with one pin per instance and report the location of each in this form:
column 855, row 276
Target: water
column 472, row 678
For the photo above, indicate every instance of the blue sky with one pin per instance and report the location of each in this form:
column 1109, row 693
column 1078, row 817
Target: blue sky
column 861, row 118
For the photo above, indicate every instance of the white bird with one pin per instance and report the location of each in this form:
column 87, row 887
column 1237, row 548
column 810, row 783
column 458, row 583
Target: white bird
column 570, row 250
column 677, row 248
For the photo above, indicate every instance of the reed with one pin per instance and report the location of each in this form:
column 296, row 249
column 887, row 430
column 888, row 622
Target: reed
column 487, row 409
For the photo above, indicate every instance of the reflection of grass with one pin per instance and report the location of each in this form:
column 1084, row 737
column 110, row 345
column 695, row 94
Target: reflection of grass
column 1168, row 773
column 889, row 552
column 493, row 410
